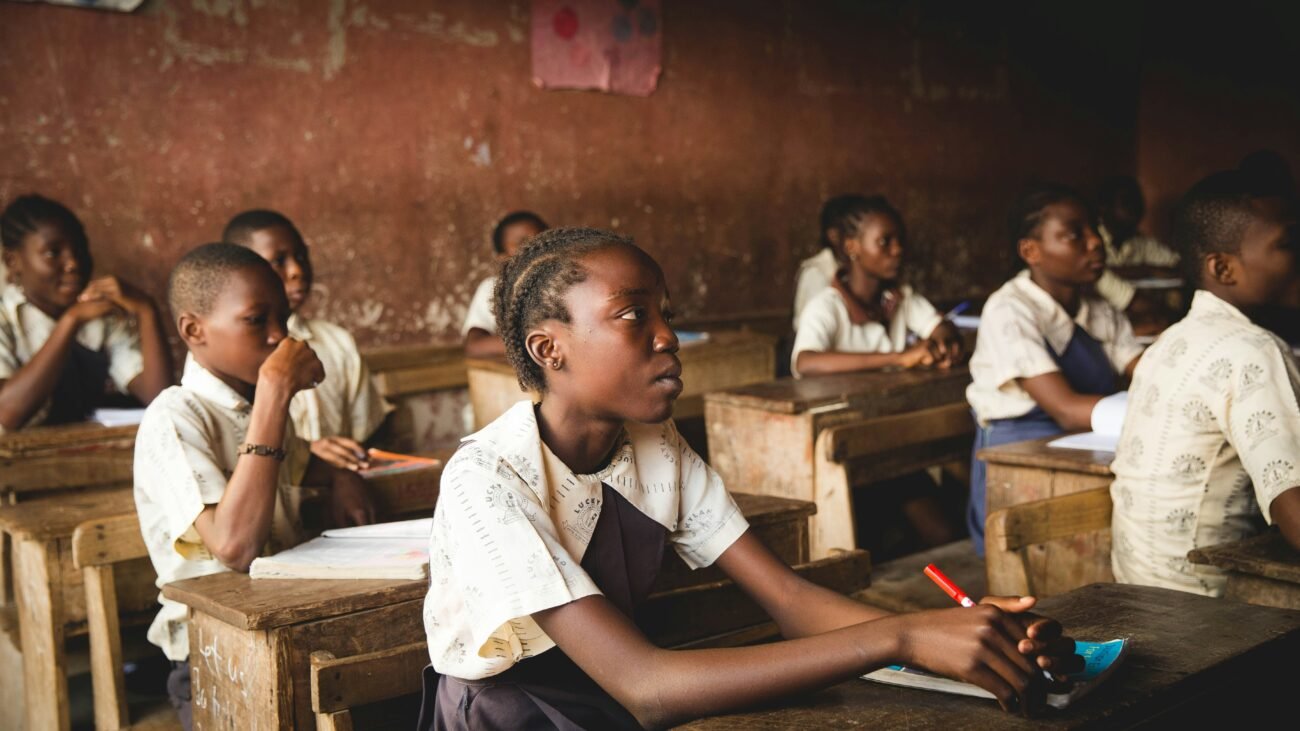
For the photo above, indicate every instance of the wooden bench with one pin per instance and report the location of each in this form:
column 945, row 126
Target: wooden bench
column 1014, row 534
column 340, row 684
column 868, row 450
column 1262, row 569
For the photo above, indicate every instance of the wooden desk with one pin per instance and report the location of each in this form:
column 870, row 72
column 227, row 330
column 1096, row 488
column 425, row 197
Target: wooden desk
column 64, row 456
column 426, row 384
column 51, row 600
column 1031, row 470
column 761, row 437
column 725, row 360
column 251, row 641
column 1194, row 661
column 1262, row 569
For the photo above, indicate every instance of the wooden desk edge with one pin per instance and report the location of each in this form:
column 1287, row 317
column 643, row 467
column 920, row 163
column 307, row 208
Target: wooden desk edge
column 365, row 594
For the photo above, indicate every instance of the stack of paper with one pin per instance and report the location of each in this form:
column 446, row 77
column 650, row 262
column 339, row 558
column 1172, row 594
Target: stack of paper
column 117, row 417
column 397, row 550
column 1107, row 421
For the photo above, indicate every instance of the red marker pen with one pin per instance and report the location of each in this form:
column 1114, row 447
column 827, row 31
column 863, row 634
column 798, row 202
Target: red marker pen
column 948, row 587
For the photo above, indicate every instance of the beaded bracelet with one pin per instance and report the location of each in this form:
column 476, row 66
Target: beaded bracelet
column 261, row 450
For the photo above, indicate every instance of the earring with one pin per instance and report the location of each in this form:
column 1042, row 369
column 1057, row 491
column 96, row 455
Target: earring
column 555, row 364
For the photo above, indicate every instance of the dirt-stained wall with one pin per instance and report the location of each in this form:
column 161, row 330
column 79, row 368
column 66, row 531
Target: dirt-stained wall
column 395, row 131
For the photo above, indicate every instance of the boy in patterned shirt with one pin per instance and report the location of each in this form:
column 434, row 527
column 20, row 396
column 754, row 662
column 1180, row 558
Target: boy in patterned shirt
column 1211, row 440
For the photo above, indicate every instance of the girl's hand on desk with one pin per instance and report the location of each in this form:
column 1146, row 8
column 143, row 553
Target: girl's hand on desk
column 1044, row 638
column 947, row 345
column 979, row 645
column 918, row 355
column 341, row 452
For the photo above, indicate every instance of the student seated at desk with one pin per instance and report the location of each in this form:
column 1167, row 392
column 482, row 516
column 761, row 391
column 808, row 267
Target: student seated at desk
column 863, row 319
column 65, row 338
column 342, row 413
column 1211, row 440
column 817, row 271
column 480, row 327
column 552, row 522
column 215, row 456
column 1048, row 348
column 1131, row 254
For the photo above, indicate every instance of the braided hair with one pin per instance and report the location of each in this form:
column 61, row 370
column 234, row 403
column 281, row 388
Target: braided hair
column 845, row 214
column 26, row 213
column 532, row 285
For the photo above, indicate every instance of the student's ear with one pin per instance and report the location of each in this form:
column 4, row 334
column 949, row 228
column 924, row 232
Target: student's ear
column 12, row 263
column 1221, row 268
column 190, row 328
column 1028, row 250
column 544, row 349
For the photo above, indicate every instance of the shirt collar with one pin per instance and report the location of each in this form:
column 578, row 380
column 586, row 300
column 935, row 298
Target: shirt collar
column 1057, row 325
column 298, row 328
column 14, row 298
column 201, row 381
column 1205, row 302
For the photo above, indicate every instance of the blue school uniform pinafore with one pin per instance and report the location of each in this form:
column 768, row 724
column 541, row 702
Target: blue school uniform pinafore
column 1087, row 369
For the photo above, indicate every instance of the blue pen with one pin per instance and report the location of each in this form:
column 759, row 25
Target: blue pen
column 960, row 308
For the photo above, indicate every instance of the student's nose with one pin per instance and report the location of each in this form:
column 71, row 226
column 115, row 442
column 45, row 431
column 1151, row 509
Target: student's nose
column 276, row 331
column 1092, row 239
column 665, row 338
column 292, row 271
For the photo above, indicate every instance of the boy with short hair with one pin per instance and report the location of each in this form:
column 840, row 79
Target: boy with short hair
column 1211, row 440
column 216, row 455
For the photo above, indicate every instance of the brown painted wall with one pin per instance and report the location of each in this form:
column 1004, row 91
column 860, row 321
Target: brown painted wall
column 1216, row 86
column 394, row 132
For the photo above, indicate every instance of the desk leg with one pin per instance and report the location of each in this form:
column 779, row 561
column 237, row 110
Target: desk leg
column 38, row 583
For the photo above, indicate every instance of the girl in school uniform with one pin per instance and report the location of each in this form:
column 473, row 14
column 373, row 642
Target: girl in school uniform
column 68, row 342
column 552, row 522
column 1049, row 348
column 480, row 326
column 864, row 318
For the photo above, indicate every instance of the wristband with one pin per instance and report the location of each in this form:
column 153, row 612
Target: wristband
column 261, row 450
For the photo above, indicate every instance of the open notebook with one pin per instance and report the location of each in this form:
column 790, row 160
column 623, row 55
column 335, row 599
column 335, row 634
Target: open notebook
column 1100, row 660
column 1107, row 421
column 398, row 550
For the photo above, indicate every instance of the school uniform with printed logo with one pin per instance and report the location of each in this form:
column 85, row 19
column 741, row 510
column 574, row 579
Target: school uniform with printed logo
column 105, row 357
column 1024, row 333
column 346, row 403
column 516, row 531
column 1210, row 439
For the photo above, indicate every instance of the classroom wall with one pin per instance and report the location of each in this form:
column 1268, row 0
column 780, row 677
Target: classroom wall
column 1216, row 86
column 395, row 131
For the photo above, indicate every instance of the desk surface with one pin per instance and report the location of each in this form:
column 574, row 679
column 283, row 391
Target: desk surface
column 1183, row 646
column 59, row 517
column 64, row 438
column 256, row 604
column 1267, row 554
column 1036, row 453
column 797, row 395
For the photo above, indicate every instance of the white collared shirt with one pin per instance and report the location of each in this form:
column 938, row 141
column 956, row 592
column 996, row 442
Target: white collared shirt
column 346, row 403
column 1019, row 323
column 513, row 523
column 24, row 328
column 1210, row 439
column 1137, row 250
column 185, row 452
column 825, row 326
column 479, row 314
column 815, row 274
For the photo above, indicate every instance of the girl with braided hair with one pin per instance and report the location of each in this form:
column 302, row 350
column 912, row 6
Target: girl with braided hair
column 552, row 522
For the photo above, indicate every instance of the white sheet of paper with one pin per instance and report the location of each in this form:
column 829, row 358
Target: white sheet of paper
column 419, row 528
column 117, row 417
column 1107, row 422
column 359, row 558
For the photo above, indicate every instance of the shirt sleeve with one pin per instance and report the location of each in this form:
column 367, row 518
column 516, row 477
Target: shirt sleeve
column 366, row 409
column 810, row 281
column 122, row 344
column 176, row 468
column 1010, row 345
column 1116, row 290
column 1125, row 347
column 921, row 317
column 709, row 520
column 495, row 558
column 1156, row 254
column 817, row 329
column 1263, row 422
column 479, row 315
column 9, row 363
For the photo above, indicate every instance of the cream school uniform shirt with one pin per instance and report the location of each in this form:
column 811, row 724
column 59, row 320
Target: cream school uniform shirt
column 825, row 326
column 513, row 523
column 185, row 452
column 1019, row 323
column 815, row 274
column 24, row 328
column 479, row 314
column 1210, row 439
column 346, row 403
column 1138, row 250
